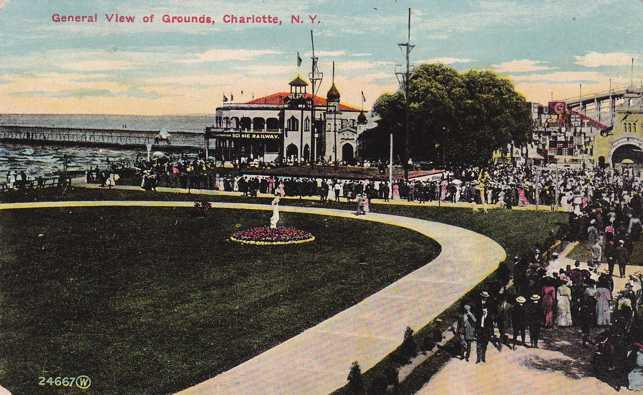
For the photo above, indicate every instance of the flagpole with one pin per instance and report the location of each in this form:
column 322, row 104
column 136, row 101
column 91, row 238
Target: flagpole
column 390, row 168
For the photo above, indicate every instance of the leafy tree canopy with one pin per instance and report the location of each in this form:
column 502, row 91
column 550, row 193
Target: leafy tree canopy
column 460, row 118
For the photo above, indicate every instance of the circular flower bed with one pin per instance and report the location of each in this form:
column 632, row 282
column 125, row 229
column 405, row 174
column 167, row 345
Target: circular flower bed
column 266, row 236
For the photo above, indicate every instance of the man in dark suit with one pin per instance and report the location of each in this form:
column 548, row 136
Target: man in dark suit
column 622, row 256
column 534, row 315
column 518, row 320
column 484, row 328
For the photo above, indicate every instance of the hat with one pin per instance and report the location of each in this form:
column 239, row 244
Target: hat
column 535, row 298
column 592, row 221
column 621, row 242
column 484, row 294
column 555, row 254
column 520, row 300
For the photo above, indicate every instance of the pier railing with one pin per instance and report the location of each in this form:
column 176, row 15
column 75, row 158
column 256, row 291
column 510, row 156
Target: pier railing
column 112, row 137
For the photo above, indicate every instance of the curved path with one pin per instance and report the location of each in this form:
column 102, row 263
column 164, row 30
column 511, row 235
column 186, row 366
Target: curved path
column 317, row 360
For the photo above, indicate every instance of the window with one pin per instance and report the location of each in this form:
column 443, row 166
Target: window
column 306, row 124
column 293, row 123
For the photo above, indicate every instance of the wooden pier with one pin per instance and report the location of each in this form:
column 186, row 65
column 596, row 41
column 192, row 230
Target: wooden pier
column 122, row 138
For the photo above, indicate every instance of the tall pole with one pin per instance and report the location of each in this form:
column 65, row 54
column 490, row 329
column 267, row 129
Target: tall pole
column 301, row 131
column 611, row 105
column 407, row 47
column 315, row 80
column 390, row 168
column 406, row 101
column 335, row 123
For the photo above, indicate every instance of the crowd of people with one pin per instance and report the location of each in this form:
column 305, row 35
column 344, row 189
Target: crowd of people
column 504, row 184
column 21, row 181
column 542, row 297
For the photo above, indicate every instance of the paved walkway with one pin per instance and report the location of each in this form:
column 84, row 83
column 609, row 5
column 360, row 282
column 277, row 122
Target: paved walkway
column 317, row 361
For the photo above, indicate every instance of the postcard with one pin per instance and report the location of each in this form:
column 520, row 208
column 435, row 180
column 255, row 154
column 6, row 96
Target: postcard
column 321, row 197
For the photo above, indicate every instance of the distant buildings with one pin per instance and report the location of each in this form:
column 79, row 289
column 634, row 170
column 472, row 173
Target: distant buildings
column 625, row 142
column 563, row 134
column 279, row 126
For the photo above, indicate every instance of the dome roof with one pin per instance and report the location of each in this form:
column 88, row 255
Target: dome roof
column 333, row 93
column 298, row 82
column 361, row 118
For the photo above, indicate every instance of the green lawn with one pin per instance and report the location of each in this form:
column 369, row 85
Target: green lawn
column 517, row 231
column 152, row 300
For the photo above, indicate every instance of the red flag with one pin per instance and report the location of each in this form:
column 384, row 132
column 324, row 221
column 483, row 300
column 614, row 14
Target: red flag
column 557, row 107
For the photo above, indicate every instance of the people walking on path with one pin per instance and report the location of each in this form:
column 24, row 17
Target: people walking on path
column 484, row 327
column 563, row 305
column 467, row 331
column 534, row 315
column 518, row 320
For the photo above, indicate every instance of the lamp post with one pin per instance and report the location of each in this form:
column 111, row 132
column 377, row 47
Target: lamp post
column 445, row 132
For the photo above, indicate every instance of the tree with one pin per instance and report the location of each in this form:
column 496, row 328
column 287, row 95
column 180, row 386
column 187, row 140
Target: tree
column 355, row 380
column 453, row 117
column 375, row 142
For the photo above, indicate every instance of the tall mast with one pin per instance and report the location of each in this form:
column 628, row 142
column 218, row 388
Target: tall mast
column 334, row 122
column 632, row 74
column 407, row 47
column 315, row 79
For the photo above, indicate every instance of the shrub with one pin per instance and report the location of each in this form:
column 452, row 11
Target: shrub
column 355, row 380
column 409, row 347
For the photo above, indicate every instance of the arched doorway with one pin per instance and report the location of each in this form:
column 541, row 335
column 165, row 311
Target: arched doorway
column 272, row 123
column 291, row 152
column 348, row 154
column 627, row 154
column 245, row 123
column 234, row 122
column 258, row 123
column 306, row 153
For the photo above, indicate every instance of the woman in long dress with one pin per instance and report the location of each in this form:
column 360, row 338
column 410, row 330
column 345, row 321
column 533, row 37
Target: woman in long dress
column 564, row 297
column 549, row 298
column 603, row 297
column 396, row 191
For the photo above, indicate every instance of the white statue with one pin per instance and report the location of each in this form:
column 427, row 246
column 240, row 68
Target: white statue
column 275, row 212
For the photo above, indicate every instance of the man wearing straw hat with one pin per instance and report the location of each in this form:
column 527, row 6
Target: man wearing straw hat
column 518, row 320
column 534, row 314
column 484, row 327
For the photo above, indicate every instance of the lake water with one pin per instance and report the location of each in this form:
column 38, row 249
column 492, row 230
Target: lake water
column 40, row 159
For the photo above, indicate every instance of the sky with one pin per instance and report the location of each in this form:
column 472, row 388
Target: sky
column 549, row 49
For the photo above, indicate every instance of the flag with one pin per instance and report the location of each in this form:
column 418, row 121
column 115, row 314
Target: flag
column 225, row 99
column 363, row 97
column 557, row 107
column 299, row 60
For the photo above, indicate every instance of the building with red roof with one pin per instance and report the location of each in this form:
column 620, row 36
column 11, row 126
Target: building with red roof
column 278, row 126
